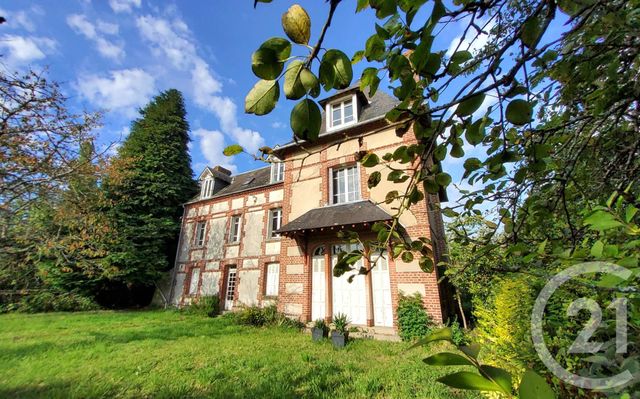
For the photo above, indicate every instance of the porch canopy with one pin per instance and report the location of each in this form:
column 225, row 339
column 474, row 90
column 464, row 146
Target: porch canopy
column 335, row 217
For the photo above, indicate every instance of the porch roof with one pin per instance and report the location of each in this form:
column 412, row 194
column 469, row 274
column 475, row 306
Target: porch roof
column 341, row 216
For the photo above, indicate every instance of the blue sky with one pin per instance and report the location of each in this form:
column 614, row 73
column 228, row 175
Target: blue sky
column 114, row 55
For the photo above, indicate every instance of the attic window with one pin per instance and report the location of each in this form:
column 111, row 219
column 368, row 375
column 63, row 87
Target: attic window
column 206, row 190
column 277, row 170
column 342, row 113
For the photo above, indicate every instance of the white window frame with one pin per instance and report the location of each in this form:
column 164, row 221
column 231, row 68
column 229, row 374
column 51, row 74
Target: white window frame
column 272, row 277
column 195, row 281
column 332, row 200
column 271, row 234
column 200, row 233
column 234, row 229
column 329, row 113
column 206, row 191
column 277, row 171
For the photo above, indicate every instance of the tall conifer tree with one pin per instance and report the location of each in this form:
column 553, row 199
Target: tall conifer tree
column 149, row 180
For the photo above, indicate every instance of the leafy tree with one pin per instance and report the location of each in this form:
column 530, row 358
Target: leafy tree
column 555, row 113
column 146, row 185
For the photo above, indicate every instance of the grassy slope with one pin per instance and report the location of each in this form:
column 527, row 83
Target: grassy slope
column 168, row 354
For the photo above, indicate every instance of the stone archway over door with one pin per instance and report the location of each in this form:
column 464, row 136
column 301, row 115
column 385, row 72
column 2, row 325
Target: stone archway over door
column 318, row 285
column 381, row 284
column 349, row 298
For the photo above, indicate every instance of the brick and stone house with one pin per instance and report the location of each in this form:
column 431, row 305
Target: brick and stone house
column 270, row 234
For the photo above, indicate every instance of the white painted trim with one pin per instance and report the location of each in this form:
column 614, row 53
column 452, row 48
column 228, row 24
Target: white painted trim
column 329, row 114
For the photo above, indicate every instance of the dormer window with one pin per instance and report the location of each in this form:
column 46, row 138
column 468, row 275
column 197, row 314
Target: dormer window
column 342, row 113
column 206, row 190
column 277, row 171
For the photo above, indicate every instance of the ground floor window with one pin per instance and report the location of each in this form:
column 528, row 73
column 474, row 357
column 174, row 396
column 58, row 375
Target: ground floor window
column 273, row 279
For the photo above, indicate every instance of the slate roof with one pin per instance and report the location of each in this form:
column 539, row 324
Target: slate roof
column 247, row 181
column 337, row 215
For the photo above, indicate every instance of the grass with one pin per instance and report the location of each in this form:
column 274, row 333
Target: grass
column 159, row 354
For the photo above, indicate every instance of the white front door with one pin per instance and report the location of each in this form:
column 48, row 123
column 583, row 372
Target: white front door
column 381, row 287
column 350, row 298
column 318, row 285
column 231, row 288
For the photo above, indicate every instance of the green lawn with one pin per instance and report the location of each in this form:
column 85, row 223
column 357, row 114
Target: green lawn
column 169, row 354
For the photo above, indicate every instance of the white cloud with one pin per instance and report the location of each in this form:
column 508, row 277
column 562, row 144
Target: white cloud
column 123, row 90
column 18, row 19
column 106, row 48
column 474, row 41
column 22, row 50
column 211, row 145
column 107, row 28
column 278, row 125
column 124, row 5
column 172, row 40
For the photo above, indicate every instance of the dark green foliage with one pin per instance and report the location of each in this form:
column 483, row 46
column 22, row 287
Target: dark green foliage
column 341, row 322
column 205, row 306
column 458, row 334
column 149, row 181
column 413, row 320
column 50, row 301
column 263, row 317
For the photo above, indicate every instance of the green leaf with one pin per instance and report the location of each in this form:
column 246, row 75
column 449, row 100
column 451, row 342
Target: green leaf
column 468, row 380
column 233, row 149
column 460, row 57
column 457, row 151
column 370, row 160
column 499, row 376
column 370, row 79
column 533, row 386
column 262, row 98
column 362, row 4
column 597, row 248
column 475, row 133
column 357, row 57
column 293, row 88
column 442, row 334
column 268, row 61
column 391, row 196
column 601, row 220
column 519, row 112
column 306, row 120
column 629, row 213
column 297, row 24
column 471, row 350
column 374, row 48
column 426, row 264
column 447, row 359
column 374, row 179
column 407, row 257
column 336, row 71
column 443, row 179
column 531, row 31
column 310, row 82
column 470, row 105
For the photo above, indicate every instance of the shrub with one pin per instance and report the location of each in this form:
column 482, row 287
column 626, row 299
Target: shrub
column 205, row 306
column 340, row 322
column 458, row 334
column 503, row 324
column 413, row 320
column 53, row 301
column 321, row 325
column 264, row 317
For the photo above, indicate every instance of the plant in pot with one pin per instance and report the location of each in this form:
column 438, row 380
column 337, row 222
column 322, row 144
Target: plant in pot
column 319, row 330
column 340, row 334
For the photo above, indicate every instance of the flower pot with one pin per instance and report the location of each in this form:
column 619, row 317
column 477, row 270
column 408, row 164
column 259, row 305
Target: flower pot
column 318, row 333
column 339, row 339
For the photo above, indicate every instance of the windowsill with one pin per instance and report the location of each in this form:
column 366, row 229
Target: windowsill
column 346, row 202
column 270, row 297
column 274, row 239
column 233, row 243
column 341, row 126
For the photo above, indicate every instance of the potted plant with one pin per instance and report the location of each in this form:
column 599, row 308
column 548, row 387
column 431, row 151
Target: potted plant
column 319, row 330
column 340, row 334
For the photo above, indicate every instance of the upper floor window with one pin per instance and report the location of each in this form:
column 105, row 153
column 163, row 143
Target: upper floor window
column 206, row 190
column 345, row 185
column 200, row 229
column 277, row 171
column 342, row 113
column 234, row 229
column 275, row 221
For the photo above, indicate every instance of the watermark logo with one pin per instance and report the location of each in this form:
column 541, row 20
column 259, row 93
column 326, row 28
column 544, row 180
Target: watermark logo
column 583, row 343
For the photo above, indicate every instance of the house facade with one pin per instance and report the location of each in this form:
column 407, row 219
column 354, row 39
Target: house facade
column 270, row 235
